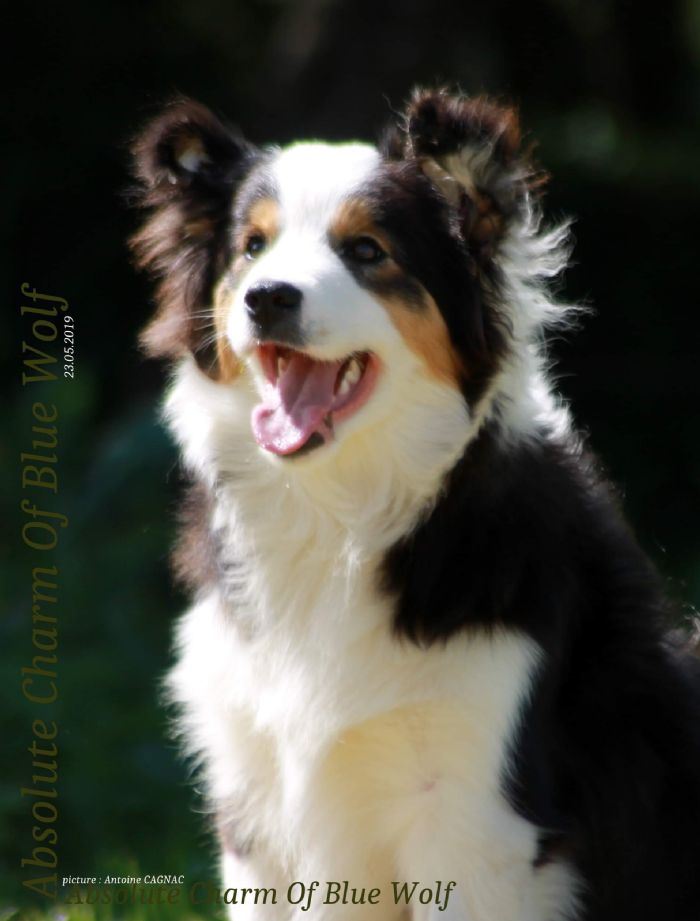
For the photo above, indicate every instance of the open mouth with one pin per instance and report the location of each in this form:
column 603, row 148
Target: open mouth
column 305, row 398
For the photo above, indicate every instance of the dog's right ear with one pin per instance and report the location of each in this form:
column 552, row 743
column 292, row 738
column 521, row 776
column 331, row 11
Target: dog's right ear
column 188, row 165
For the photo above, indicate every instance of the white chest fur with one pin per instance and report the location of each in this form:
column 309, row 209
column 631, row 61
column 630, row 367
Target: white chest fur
column 348, row 755
column 331, row 749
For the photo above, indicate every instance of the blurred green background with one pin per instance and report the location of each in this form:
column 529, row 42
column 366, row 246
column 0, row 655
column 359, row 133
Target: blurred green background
column 613, row 96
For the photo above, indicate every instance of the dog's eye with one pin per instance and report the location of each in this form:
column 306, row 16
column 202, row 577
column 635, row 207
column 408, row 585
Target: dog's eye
column 255, row 245
column 363, row 249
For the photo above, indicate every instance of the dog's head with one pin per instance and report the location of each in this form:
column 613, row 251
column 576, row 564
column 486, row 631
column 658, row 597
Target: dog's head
column 350, row 284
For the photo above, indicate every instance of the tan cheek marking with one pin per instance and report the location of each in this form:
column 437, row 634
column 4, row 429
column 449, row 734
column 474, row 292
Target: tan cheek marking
column 229, row 367
column 425, row 333
column 422, row 327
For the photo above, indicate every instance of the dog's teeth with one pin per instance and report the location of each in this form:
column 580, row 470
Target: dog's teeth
column 354, row 372
column 350, row 376
column 282, row 365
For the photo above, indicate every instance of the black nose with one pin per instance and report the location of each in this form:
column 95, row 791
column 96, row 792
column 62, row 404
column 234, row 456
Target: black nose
column 269, row 302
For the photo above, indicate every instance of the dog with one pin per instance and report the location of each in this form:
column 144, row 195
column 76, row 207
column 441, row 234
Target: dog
column 425, row 647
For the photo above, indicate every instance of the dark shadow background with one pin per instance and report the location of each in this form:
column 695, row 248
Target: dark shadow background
column 613, row 96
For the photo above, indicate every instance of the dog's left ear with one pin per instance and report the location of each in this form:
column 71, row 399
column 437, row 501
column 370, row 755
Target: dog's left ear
column 470, row 150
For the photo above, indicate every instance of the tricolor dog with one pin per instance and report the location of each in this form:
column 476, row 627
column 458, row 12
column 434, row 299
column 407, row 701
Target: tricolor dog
column 424, row 645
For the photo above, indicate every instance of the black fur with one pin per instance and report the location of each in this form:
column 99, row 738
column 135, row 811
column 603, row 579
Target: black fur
column 429, row 248
column 607, row 762
column 525, row 537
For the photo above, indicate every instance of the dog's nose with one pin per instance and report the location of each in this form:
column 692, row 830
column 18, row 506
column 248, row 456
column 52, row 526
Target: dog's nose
column 268, row 302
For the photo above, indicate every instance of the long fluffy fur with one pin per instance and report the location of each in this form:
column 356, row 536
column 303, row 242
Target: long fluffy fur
column 429, row 649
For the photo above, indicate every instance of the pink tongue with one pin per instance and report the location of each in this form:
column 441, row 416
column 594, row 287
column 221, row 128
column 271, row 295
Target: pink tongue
column 294, row 407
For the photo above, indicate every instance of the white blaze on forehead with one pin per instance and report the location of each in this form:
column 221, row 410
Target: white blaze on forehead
column 314, row 179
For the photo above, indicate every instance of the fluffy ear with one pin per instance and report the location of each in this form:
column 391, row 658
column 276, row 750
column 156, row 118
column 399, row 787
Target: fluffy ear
column 188, row 165
column 470, row 149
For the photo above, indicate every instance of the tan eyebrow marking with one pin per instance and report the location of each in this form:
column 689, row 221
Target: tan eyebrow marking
column 354, row 219
column 263, row 217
